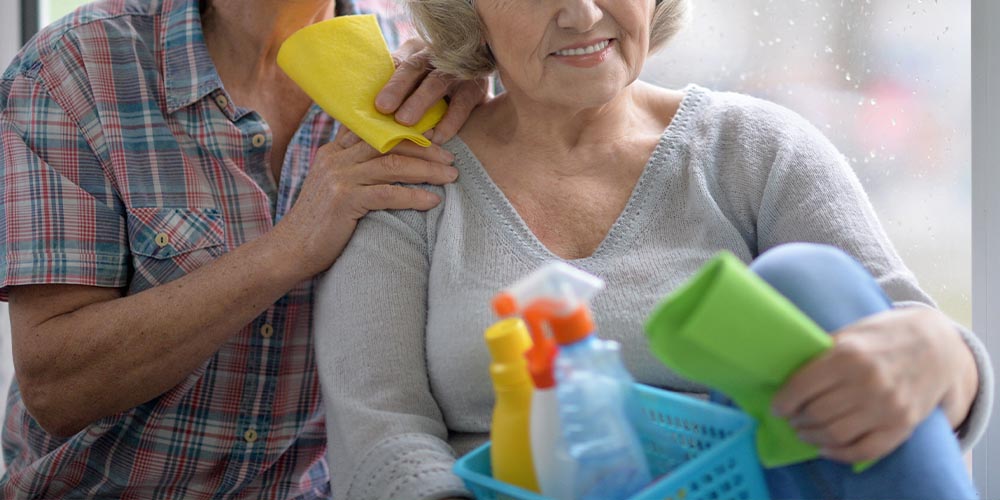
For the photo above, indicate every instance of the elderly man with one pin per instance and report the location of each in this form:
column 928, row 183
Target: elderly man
column 168, row 196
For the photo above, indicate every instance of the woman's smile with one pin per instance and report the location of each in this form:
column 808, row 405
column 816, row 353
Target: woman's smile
column 587, row 55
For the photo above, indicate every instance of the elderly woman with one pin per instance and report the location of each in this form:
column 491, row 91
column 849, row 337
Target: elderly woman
column 160, row 233
column 579, row 161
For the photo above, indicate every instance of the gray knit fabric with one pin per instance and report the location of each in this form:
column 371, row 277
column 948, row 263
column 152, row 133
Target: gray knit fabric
column 400, row 316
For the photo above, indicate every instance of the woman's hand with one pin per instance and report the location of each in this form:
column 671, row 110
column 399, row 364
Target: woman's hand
column 885, row 374
column 348, row 179
column 417, row 85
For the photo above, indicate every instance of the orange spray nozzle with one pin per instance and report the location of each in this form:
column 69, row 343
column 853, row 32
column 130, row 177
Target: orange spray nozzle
column 553, row 302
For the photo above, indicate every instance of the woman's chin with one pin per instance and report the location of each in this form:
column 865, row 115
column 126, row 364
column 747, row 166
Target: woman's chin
column 586, row 95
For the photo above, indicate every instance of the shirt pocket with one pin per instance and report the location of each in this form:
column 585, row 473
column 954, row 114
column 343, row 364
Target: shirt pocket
column 168, row 243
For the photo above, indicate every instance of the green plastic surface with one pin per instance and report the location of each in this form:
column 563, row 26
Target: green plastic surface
column 728, row 329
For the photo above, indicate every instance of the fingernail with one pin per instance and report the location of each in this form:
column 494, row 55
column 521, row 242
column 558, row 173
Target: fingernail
column 405, row 117
column 382, row 103
column 448, row 156
column 453, row 172
column 438, row 138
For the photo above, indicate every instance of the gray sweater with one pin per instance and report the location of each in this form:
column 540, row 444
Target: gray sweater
column 400, row 316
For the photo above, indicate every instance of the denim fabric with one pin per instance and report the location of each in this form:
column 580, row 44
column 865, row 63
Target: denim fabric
column 835, row 290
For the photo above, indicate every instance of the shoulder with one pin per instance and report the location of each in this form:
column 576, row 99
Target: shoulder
column 740, row 118
column 110, row 17
column 62, row 56
column 744, row 136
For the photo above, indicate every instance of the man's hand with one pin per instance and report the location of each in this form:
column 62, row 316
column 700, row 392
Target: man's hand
column 417, row 85
column 348, row 179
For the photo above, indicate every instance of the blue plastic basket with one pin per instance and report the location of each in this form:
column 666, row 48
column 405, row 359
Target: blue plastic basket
column 697, row 450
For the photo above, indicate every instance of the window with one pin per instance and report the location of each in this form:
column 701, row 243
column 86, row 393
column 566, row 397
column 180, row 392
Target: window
column 36, row 13
column 887, row 82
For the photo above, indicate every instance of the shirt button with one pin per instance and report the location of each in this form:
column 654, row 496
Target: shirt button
column 162, row 240
column 258, row 140
column 266, row 331
column 250, row 436
column 222, row 101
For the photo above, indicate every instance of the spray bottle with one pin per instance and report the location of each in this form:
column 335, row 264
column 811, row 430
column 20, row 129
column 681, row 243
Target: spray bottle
column 591, row 385
column 510, row 452
column 552, row 470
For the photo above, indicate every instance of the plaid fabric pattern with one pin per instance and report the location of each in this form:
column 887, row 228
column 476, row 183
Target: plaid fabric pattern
column 123, row 163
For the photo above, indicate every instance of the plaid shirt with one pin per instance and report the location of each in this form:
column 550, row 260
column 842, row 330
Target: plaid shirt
column 123, row 163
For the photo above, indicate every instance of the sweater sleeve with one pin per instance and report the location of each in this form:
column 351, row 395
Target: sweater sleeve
column 386, row 435
column 811, row 194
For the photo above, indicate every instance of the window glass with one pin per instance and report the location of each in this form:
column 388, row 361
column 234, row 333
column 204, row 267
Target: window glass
column 50, row 10
column 888, row 81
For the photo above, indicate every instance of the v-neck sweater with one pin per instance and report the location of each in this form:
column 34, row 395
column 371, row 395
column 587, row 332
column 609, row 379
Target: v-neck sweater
column 400, row 317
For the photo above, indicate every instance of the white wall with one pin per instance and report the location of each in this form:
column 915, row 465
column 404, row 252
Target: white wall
column 986, row 218
column 10, row 34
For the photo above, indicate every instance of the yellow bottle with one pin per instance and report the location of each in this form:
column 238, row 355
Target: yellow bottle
column 510, row 434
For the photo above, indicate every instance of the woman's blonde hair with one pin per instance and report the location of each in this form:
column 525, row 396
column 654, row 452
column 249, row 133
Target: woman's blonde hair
column 454, row 32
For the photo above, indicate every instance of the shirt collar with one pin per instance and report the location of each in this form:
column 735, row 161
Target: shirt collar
column 188, row 70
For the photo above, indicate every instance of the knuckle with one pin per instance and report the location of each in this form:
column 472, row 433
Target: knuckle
column 813, row 413
column 438, row 81
column 895, row 405
column 325, row 152
column 381, row 194
column 416, row 62
column 340, row 188
column 839, row 435
column 392, row 163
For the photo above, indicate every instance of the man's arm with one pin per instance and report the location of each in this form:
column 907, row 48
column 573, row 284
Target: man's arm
column 83, row 353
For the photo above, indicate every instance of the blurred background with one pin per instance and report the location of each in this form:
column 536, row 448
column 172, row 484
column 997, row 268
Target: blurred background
column 888, row 81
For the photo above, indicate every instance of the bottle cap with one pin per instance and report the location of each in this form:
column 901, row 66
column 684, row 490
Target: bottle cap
column 508, row 340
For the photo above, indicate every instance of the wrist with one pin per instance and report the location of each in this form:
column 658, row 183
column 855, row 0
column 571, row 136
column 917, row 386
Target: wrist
column 280, row 258
column 963, row 374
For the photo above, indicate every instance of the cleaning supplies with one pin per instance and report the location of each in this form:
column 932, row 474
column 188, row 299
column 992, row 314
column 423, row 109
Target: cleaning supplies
column 553, row 470
column 342, row 64
column 591, row 384
column 728, row 329
column 745, row 330
column 510, row 433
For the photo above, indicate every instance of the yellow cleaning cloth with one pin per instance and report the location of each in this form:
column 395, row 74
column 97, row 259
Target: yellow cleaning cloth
column 342, row 64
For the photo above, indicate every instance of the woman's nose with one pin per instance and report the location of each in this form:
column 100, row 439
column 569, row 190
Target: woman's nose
column 580, row 15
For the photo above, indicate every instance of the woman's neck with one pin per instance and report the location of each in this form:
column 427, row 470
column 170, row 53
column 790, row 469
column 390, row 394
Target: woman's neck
column 515, row 119
column 243, row 36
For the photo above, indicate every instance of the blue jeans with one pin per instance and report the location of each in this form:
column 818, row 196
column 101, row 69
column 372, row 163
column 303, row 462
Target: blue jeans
column 835, row 290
